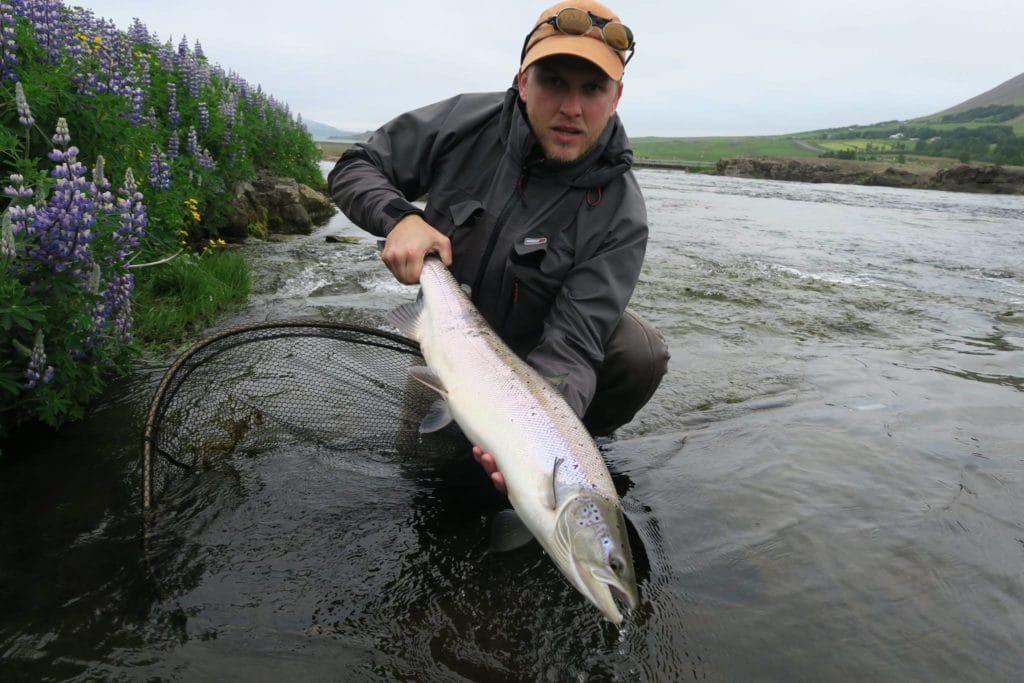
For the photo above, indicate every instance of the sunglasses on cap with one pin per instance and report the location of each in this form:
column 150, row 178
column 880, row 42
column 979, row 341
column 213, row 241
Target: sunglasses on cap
column 577, row 22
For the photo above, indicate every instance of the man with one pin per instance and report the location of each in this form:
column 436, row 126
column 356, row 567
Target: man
column 532, row 203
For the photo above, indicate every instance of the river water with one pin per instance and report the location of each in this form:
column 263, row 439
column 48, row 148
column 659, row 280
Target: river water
column 827, row 485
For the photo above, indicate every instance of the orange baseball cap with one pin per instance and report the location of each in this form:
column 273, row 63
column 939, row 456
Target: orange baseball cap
column 546, row 40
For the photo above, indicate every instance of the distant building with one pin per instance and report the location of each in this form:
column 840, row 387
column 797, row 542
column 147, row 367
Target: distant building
column 896, row 136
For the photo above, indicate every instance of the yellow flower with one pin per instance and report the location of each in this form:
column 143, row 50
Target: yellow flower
column 192, row 204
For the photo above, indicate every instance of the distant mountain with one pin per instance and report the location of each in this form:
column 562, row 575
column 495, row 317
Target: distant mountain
column 1011, row 92
column 323, row 131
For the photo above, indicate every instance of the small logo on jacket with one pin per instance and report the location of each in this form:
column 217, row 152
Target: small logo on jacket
column 533, row 241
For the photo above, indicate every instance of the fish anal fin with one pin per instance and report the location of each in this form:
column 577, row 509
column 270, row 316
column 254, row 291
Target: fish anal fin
column 438, row 416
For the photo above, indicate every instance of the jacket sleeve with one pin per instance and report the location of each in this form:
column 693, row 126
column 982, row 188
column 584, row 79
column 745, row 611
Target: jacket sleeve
column 374, row 182
column 591, row 302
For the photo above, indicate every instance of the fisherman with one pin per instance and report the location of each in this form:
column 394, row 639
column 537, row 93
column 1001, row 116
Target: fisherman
column 531, row 202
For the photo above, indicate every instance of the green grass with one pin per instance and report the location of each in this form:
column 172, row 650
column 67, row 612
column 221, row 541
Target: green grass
column 174, row 300
column 332, row 150
column 711, row 149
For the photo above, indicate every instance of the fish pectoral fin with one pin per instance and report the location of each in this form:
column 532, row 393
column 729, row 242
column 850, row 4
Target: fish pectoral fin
column 423, row 374
column 407, row 318
column 508, row 532
column 438, row 416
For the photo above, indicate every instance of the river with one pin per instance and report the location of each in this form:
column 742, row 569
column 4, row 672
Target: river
column 827, row 485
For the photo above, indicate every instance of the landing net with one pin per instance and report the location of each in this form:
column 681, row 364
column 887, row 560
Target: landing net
column 271, row 385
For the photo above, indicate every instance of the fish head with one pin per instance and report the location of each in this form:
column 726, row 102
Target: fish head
column 592, row 532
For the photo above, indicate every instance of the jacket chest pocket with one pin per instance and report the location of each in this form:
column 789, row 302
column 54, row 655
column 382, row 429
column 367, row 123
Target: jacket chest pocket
column 531, row 290
column 467, row 224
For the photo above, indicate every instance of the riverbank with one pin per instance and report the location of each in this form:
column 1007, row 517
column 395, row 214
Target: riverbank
column 985, row 179
column 979, row 178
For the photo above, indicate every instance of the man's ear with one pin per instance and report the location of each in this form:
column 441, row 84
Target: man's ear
column 521, row 81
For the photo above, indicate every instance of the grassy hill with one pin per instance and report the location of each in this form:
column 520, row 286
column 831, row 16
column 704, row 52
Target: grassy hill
column 985, row 128
column 1010, row 92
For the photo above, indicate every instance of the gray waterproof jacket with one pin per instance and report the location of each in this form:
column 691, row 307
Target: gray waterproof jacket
column 551, row 251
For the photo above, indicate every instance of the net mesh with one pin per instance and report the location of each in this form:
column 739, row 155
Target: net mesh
column 267, row 386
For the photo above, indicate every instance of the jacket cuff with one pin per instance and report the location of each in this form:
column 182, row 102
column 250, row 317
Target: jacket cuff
column 396, row 210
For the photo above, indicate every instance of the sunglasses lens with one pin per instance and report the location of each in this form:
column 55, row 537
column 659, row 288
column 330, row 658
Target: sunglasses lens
column 573, row 21
column 618, row 36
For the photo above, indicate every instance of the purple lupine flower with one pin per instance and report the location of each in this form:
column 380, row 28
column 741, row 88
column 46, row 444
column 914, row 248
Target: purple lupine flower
column 173, row 145
column 193, row 76
column 165, row 55
column 172, row 105
column 229, row 107
column 50, row 33
column 133, row 218
column 138, row 99
column 103, row 200
column 159, row 170
column 62, row 228
column 192, row 144
column 62, row 136
column 37, row 370
column 118, row 298
column 204, row 117
column 199, row 51
column 144, row 76
column 24, row 111
column 8, row 42
column 138, row 32
column 8, row 247
column 17, row 187
column 206, row 159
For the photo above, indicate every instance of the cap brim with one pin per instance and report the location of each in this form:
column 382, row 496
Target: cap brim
column 592, row 50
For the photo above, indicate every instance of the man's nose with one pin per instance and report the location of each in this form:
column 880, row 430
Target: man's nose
column 572, row 103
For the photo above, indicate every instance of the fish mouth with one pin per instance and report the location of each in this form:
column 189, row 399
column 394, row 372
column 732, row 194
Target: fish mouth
column 608, row 593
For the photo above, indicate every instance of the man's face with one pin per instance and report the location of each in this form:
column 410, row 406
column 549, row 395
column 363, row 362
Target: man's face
column 568, row 103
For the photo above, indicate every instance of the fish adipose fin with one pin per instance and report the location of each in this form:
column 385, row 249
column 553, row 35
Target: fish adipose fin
column 508, row 532
column 438, row 417
column 407, row 318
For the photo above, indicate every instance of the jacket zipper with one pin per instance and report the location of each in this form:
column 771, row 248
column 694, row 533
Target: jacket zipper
column 495, row 232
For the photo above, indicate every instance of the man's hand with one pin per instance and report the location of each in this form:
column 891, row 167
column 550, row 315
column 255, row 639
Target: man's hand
column 486, row 461
column 408, row 244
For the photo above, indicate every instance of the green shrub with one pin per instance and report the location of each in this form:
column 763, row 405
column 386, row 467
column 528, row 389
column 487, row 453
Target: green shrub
column 116, row 151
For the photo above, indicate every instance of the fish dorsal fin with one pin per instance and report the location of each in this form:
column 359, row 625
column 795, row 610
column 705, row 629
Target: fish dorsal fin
column 424, row 375
column 408, row 318
column 553, row 488
column 508, row 532
column 438, row 416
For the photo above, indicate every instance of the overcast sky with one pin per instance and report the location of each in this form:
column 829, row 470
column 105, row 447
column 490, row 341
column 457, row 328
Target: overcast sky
column 717, row 67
